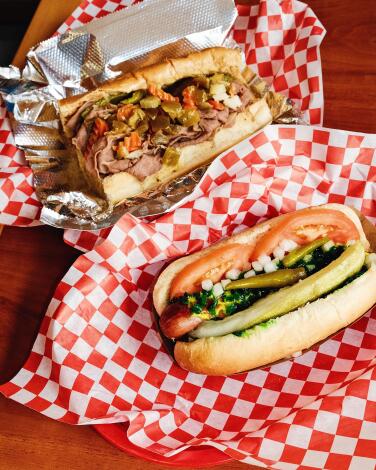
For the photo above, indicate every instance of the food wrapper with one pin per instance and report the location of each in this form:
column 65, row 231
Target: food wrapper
column 98, row 357
column 279, row 42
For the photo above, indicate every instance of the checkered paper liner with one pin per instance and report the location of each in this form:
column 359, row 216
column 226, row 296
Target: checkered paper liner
column 281, row 42
column 98, row 357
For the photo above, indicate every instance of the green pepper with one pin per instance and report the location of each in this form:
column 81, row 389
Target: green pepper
column 150, row 102
column 162, row 121
column 220, row 78
column 135, row 97
column 189, row 117
column 103, row 101
column 202, row 81
column 142, row 127
column 171, row 157
column 299, row 253
column 120, row 126
column 284, row 277
column 137, row 116
column 117, row 98
column 172, row 108
column 159, row 138
column 200, row 96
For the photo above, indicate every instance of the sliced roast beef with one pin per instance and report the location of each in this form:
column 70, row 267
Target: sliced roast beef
column 81, row 138
column 245, row 94
column 75, row 118
column 209, row 125
column 103, row 112
column 223, row 115
column 116, row 166
column 208, row 113
column 147, row 165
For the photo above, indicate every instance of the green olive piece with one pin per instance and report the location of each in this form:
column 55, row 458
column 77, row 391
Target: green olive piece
column 284, row 277
column 135, row 97
column 202, row 81
column 171, row 157
column 159, row 138
column 299, row 253
column 189, row 117
column 162, row 121
column 136, row 117
column 150, row 102
column 172, row 108
column 200, row 96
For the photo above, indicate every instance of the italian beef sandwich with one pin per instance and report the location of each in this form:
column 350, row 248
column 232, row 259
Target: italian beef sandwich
column 138, row 132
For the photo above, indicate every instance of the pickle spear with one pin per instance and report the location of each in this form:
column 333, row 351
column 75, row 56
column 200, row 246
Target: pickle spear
column 288, row 298
column 282, row 278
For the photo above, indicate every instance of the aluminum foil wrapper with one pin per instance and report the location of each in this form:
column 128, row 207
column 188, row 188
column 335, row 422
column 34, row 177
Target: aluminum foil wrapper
column 78, row 61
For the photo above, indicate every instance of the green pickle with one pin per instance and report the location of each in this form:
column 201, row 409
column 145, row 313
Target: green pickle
column 299, row 253
column 284, row 277
column 171, row 157
column 150, row 102
column 189, row 117
column 135, row 97
column 159, row 138
column 142, row 127
column 172, row 108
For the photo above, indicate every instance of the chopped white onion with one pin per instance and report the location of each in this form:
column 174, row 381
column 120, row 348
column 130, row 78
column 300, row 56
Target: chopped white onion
column 233, row 274
column 264, row 259
column 220, row 96
column 257, row 266
column 288, row 245
column 135, row 154
column 270, row 267
column 225, row 282
column 328, row 245
column 217, row 289
column 278, row 252
column 233, row 102
column 207, row 284
column 250, row 273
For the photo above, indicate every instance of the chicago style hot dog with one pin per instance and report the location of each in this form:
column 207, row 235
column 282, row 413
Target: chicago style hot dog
column 269, row 291
column 144, row 129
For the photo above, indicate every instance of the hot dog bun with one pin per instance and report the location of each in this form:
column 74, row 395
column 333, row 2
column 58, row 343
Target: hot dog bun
column 121, row 186
column 285, row 335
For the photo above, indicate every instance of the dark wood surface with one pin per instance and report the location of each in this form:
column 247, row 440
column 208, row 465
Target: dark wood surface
column 33, row 260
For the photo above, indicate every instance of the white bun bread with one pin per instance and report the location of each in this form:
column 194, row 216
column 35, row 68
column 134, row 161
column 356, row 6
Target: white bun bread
column 121, row 186
column 284, row 336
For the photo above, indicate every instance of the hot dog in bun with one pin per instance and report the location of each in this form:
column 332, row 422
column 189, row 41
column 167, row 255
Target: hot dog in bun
column 268, row 292
column 136, row 133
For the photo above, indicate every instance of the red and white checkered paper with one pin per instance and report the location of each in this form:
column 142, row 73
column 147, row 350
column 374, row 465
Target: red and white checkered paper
column 98, row 357
column 281, row 41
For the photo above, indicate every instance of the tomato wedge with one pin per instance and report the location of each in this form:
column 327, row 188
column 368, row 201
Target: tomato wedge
column 212, row 266
column 305, row 226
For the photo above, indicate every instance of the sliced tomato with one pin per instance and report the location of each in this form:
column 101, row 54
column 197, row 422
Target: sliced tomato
column 213, row 266
column 305, row 226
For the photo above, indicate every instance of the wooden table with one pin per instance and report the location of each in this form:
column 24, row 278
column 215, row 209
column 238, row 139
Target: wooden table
column 34, row 259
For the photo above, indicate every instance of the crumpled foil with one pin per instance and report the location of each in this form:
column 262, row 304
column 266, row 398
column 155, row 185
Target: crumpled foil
column 78, row 61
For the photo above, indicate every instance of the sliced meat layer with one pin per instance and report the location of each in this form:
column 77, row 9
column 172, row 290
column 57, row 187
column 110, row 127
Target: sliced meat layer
column 147, row 165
